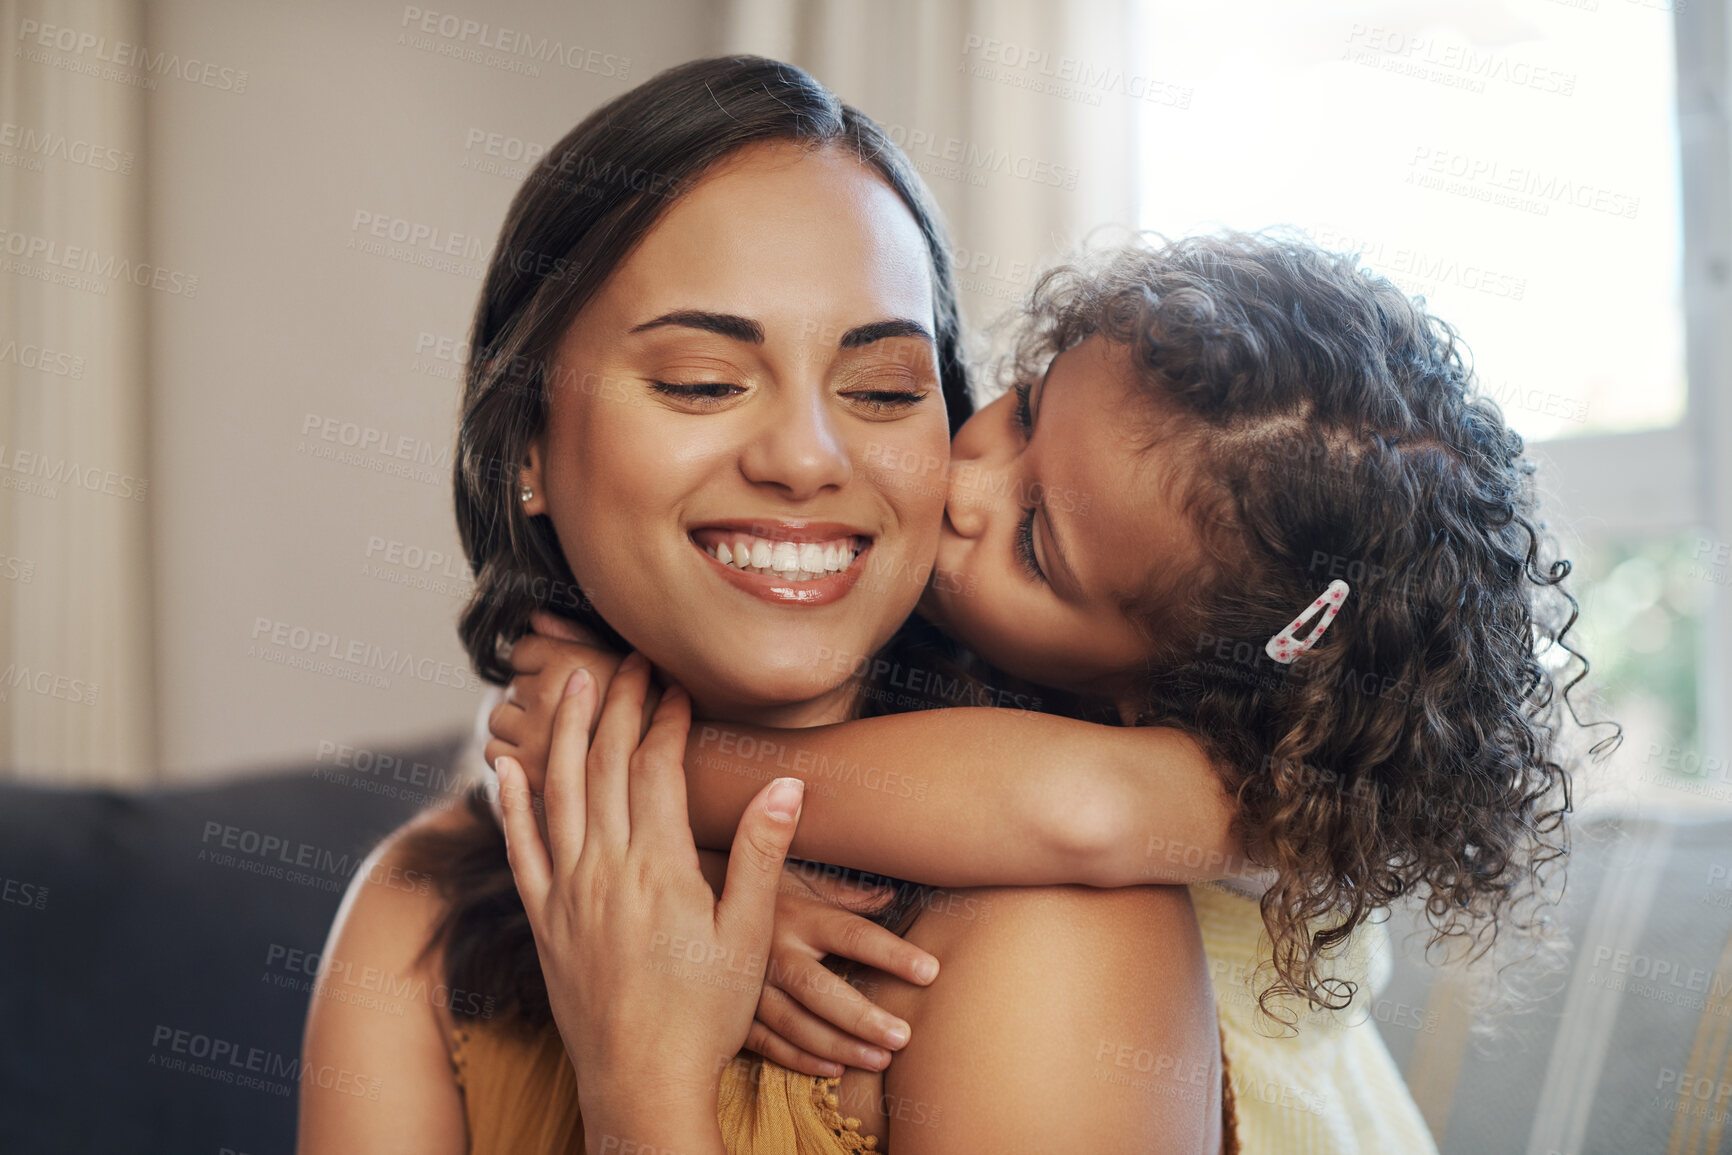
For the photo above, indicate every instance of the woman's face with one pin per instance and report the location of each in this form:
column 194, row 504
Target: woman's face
column 728, row 424
column 1057, row 519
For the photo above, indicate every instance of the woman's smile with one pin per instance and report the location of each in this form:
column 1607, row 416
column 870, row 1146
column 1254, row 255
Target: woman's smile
column 800, row 563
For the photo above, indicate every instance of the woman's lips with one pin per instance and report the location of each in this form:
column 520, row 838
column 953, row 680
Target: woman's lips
column 808, row 564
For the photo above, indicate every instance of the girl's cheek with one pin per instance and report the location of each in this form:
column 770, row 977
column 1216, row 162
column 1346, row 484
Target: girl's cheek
column 966, row 585
column 954, row 583
column 965, row 598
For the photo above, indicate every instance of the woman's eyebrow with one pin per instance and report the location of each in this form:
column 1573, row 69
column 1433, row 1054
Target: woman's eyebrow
column 726, row 324
column 878, row 330
column 747, row 330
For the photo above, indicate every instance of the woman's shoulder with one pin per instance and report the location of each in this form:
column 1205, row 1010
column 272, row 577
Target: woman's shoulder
column 1076, row 950
column 396, row 889
column 396, row 904
column 985, row 917
column 1061, row 1011
column 377, row 1019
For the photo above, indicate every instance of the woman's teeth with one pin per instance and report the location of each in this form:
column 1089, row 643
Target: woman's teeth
column 800, row 562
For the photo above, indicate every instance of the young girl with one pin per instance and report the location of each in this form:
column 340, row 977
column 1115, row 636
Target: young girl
column 1243, row 497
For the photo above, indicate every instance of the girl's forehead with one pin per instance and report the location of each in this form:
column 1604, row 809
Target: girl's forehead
column 1105, row 401
column 1113, row 467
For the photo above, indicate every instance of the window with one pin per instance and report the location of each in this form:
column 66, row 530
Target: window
column 1517, row 165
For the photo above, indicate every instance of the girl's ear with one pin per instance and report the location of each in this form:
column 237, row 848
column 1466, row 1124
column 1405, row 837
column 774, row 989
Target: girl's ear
column 530, row 490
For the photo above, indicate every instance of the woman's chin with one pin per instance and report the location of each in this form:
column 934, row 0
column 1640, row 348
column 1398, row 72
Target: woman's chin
column 771, row 694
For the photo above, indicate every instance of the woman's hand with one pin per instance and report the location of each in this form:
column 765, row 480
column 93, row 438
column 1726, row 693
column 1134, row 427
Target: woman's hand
column 652, row 979
column 522, row 725
column 809, row 1018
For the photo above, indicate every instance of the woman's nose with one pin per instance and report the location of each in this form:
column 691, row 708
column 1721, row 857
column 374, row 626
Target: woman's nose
column 799, row 450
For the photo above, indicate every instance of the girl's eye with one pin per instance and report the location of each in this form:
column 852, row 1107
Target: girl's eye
column 1020, row 412
column 887, row 400
column 704, row 391
column 1025, row 546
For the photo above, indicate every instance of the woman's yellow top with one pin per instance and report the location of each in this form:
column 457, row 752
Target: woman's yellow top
column 520, row 1098
column 1331, row 1089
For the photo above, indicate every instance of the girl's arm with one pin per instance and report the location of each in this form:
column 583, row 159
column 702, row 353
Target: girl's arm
column 955, row 797
column 979, row 796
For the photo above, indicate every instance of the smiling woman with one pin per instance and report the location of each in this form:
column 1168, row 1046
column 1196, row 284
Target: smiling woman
column 758, row 380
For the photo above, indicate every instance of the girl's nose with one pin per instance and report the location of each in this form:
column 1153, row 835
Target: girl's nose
column 978, row 457
column 965, row 516
column 962, row 503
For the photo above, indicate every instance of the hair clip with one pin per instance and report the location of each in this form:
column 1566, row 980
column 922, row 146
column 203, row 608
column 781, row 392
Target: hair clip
column 1284, row 648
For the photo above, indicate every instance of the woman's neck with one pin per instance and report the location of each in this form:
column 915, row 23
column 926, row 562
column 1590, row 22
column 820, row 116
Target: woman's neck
column 836, row 705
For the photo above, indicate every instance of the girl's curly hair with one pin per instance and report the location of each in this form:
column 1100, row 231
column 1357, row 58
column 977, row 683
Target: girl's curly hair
column 1330, row 429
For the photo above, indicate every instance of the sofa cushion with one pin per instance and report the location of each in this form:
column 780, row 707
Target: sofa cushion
column 157, row 947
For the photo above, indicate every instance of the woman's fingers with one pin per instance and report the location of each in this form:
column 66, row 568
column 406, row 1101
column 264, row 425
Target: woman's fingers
column 616, row 739
column 779, row 1050
column 746, row 911
column 801, row 1028
column 658, row 779
column 524, row 849
column 565, row 790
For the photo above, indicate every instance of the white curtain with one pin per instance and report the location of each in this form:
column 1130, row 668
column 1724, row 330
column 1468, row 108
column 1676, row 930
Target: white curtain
column 75, row 687
column 1021, row 114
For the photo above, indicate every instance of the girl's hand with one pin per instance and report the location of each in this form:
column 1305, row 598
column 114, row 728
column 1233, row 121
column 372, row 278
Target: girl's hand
column 651, row 978
column 809, row 1019
column 522, row 725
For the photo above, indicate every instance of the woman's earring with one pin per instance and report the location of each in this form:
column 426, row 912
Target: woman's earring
column 525, row 493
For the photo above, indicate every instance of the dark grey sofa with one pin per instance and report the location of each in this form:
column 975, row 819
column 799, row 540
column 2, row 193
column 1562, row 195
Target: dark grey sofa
column 154, row 949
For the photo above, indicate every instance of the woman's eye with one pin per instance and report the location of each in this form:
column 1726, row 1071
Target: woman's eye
column 701, row 391
column 1020, row 412
column 886, row 400
column 1025, row 546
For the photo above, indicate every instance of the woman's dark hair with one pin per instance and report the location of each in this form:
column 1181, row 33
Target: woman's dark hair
column 590, row 200
column 1321, row 424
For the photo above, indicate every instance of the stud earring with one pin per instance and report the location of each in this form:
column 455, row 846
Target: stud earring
column 525, row 493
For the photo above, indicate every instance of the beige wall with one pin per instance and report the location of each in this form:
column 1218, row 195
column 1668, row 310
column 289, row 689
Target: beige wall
column 293, row 418
column 257, row 193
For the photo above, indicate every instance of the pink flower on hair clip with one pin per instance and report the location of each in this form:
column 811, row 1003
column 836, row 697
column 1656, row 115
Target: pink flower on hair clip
column 1284, row 648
